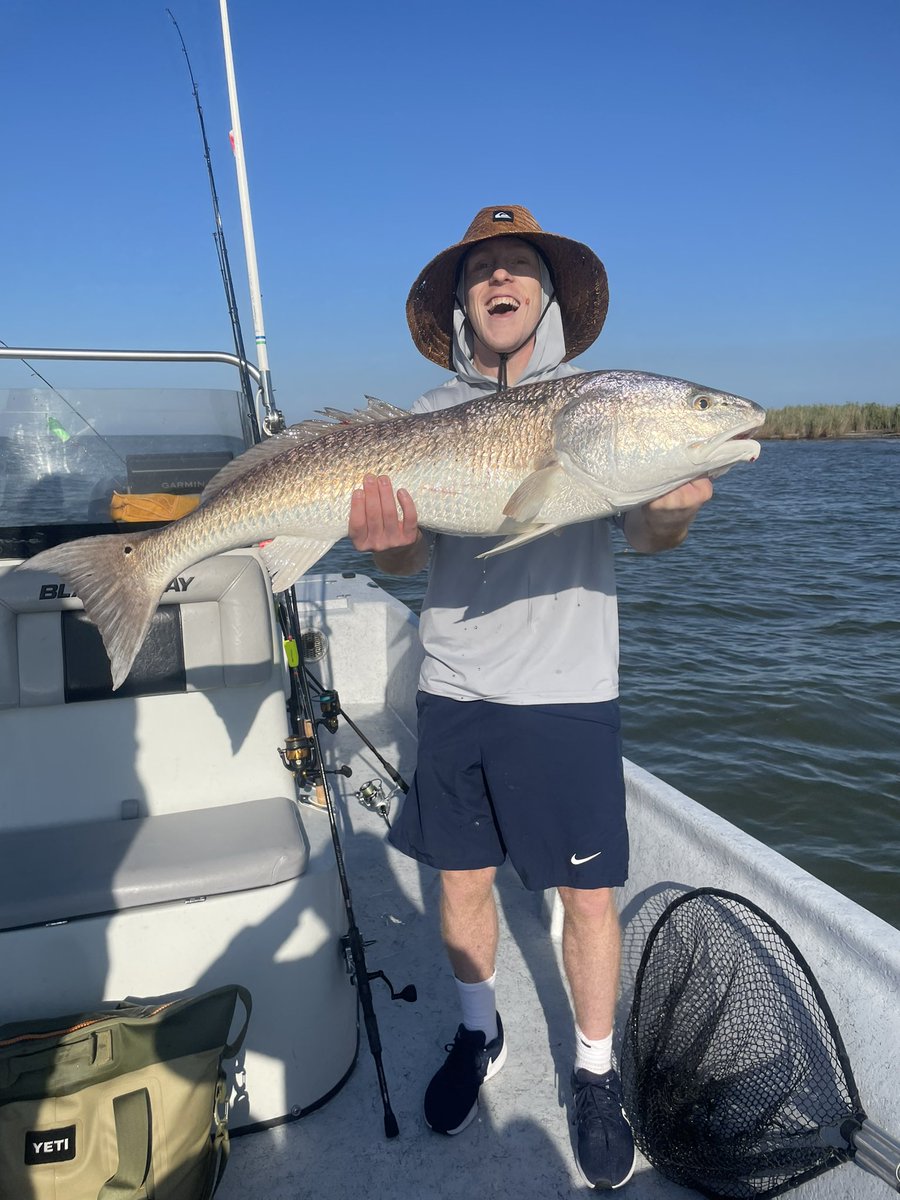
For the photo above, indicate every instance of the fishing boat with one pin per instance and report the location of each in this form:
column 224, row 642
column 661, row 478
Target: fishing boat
column 174, row 836
column 221, row 819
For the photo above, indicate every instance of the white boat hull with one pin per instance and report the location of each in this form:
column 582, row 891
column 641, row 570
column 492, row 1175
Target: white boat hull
column 152, row 845
column 283, row 944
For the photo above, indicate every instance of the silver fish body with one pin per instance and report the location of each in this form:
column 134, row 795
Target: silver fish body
column 518, row 465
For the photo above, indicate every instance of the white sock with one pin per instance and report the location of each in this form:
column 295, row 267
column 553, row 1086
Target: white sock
column 595, row 1057
column 479, row 1005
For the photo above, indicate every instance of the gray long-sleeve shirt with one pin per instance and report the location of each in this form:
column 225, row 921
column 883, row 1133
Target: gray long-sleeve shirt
column 535, row 625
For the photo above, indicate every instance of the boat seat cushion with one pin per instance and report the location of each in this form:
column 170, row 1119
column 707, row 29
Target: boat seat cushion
column 224, row 619
column 87, row 868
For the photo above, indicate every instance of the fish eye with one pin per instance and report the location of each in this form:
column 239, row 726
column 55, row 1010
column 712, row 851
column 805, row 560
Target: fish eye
column 702, row 402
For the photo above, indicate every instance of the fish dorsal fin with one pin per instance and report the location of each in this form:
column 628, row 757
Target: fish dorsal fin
column 526, row 502
column 298, row 435
column 375, row 410
column 287, row 558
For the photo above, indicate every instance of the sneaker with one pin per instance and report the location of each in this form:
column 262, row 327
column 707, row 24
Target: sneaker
column 605, row 1145
column 451, row 1099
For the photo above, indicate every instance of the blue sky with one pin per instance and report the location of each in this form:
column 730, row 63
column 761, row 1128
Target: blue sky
column 734, row 164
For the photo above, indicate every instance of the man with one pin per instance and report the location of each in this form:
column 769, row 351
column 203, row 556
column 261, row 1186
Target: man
column 519, row 746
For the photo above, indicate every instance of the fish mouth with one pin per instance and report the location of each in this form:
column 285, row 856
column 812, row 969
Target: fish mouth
column 754, row 424
column 710, row 449
column 502, row 305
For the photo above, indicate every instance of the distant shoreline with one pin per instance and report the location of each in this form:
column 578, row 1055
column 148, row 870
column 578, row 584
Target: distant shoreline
column 820, row 422
column 873, row 435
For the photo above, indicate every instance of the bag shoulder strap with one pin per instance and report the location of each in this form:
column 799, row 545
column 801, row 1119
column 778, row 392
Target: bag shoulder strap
column 133, row 1179
column 232, row 1048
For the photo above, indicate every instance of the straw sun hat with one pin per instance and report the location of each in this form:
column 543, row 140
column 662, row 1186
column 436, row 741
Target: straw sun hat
column 579, row 278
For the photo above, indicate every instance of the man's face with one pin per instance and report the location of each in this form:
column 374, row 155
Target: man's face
column 502, row 283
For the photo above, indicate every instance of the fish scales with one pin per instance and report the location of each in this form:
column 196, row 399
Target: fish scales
column 520, row 464
column 461, row 467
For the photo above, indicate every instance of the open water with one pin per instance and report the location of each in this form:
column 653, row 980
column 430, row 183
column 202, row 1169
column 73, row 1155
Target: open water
column 760, row 662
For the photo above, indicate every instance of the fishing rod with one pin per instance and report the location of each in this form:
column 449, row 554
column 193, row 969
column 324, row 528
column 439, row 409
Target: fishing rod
column 222, row 248
column 302, row 755
column 330, row 703
column 274, row 422
column 371, row 794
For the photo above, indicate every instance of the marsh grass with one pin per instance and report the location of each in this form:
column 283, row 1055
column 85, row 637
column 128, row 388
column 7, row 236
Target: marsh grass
column 832, row 421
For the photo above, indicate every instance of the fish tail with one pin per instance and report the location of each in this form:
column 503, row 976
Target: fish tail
column 118, row 583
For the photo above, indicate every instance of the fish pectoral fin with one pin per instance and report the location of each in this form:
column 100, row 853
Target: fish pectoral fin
column 530, row 496
column 287, row 558
column 519, row 539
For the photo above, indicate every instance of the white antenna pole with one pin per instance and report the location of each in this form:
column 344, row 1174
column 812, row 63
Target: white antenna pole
column 274, row 420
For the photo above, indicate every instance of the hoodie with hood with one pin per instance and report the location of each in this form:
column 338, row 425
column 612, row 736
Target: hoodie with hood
column 537, row 624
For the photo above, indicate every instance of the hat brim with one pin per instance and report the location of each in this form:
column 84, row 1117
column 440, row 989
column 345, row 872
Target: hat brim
column 580, row 283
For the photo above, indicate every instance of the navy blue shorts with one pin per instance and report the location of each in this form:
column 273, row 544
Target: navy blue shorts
column 542, row 784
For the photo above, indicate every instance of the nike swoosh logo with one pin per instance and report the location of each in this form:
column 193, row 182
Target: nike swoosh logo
column 576, row 861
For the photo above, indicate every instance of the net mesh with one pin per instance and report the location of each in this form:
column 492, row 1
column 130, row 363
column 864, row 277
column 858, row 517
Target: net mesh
column 736, row 1080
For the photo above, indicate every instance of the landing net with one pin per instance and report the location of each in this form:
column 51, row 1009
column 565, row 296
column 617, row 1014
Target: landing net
column 736, row 1079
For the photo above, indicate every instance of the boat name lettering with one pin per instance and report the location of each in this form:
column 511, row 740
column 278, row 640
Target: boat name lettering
column 180, row 584
column 57, row 591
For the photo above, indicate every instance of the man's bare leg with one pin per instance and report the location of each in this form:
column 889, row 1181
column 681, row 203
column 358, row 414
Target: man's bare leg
column 469, row 923
column 469, row 929
column 604, row 1148
column 591, row 956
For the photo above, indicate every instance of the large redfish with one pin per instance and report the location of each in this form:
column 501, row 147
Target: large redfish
column 518, row 464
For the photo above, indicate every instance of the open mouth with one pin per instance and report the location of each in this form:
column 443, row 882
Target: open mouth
column 747, row 434
column 706, row 450
column 743, row 433
column 500, row 305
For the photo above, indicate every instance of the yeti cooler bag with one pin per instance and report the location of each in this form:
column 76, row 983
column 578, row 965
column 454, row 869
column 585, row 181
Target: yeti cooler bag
column 126, row 1103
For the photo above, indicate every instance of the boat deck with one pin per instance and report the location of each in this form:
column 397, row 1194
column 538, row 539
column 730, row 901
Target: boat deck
column 520, row 1142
